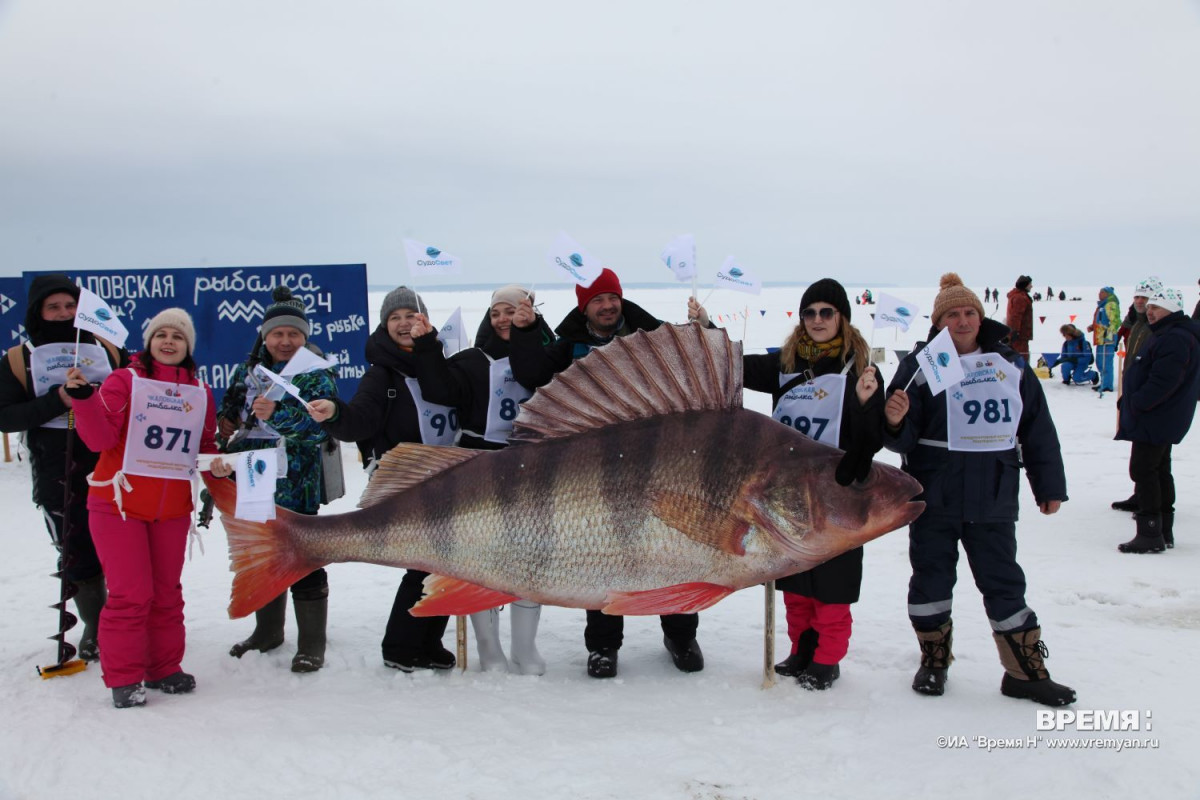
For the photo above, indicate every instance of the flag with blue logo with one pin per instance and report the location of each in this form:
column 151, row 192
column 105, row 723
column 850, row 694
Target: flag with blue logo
column 425, row 260
column 892, row 312
column 680, row 256
column 733, row 275
column 94, row 315
column 568, row 258
column 940, row 363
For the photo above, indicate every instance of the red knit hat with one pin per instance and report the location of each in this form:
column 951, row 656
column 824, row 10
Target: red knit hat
column 607, row 282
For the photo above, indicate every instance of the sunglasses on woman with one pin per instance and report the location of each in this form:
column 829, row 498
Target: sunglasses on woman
column 825, row 313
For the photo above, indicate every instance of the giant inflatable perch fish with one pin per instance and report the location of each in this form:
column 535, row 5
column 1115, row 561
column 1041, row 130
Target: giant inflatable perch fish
column 637, row 484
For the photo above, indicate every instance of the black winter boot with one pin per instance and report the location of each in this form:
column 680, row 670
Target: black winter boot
column 936, row 656
column 602, row 663
column 1168, row 532
column 89, row 600
column 793, row 665
column 1149, row 538
column 1130, row 504
column 268, row 629
column 175, row 683
column 687, row 656
column 1025, row 674
column 817, row 676
column 311, row 616
column 129, row 696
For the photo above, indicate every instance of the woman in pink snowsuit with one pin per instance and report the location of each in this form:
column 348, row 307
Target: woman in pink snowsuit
column 148, row 423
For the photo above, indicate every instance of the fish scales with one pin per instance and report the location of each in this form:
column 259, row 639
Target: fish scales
column 562, row 518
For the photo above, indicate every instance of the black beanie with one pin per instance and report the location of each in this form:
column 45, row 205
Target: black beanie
column 1024, row 282
column 827, row 290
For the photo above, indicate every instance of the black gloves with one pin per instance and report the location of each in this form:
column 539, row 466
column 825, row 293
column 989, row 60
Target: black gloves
column 80, row 392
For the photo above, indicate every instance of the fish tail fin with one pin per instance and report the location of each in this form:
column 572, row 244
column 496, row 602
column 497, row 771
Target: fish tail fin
column 263, row 556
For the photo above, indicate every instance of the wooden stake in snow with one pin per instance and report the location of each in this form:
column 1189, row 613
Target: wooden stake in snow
column 769, row 637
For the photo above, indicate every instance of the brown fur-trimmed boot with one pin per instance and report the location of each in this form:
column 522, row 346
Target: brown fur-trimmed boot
column 1025, row 674
column 935, row 660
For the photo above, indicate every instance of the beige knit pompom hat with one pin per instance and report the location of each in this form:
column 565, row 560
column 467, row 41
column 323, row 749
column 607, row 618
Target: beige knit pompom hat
column 952, row 295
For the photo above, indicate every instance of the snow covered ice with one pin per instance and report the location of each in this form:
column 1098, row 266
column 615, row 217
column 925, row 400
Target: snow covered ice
column 1123, row 630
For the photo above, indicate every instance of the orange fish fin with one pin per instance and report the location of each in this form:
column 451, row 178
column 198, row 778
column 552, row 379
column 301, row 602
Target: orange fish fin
column 683, row 598
column 700, row 521
column 450, row 596
column 261, row 554
column 671, row 369
column 407, row 465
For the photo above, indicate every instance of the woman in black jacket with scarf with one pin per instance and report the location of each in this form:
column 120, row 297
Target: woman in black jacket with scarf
column 480, row 384
column 388, row 409
column 821, row 383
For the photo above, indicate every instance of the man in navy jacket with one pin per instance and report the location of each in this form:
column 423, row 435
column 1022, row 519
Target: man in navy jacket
column 967, row 446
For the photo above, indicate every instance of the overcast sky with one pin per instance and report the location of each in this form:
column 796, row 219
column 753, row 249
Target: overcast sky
column 870, row 140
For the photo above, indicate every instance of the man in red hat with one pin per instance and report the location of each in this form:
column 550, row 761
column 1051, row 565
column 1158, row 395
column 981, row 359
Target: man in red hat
column 601, row 314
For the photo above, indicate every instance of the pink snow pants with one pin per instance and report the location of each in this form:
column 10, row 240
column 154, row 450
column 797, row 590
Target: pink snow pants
column 831, row 621
column 141, row 627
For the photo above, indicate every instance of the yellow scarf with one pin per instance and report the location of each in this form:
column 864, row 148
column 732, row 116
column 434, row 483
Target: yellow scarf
column 812, row 352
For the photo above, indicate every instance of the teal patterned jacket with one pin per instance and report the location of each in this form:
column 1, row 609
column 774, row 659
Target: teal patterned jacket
column 301, row 490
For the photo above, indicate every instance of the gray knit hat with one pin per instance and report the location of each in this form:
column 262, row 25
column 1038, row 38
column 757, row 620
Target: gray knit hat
column 175, row 318
column 286, row 311
column 402, row 297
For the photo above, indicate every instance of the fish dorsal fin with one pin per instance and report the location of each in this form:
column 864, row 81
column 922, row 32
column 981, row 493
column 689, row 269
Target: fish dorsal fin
column 406, row 465
column 672, row 369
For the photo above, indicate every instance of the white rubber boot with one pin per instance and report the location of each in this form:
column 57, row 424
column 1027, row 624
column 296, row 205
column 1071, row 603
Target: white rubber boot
column 525, row 657
column 487, row 640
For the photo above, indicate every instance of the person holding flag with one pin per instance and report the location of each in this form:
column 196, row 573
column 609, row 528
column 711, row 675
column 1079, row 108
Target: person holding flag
column 390, row 408
column 821, row 383
column 966, row 447
column 149, row 423
column 34, row 402
column 479, row 383
column 601, row 315
column 256, row 413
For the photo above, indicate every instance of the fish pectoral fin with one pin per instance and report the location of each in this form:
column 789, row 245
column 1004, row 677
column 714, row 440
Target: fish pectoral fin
column 701, row 521
column 446, row 597
column 682, row 598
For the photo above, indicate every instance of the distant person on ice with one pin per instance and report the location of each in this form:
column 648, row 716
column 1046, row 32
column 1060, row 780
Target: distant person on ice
column 1076, row 358
column 1106, row 320
column 966, row 447
column 1020, row 316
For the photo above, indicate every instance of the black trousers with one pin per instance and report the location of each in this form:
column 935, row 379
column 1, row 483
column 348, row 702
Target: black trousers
column 607, row 631
column 407, row 636
column 1153, row 484
column 78, row 559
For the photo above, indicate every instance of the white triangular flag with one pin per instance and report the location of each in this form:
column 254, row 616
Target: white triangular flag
column 283, row 383
column 734, row 276
column 451, row 334
column 305, row 360
column 92, row 314
column 425, row 259
column 569, row 259
column 680, row 256
column 940, row 363
column 256, row 472
column 892, row 312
